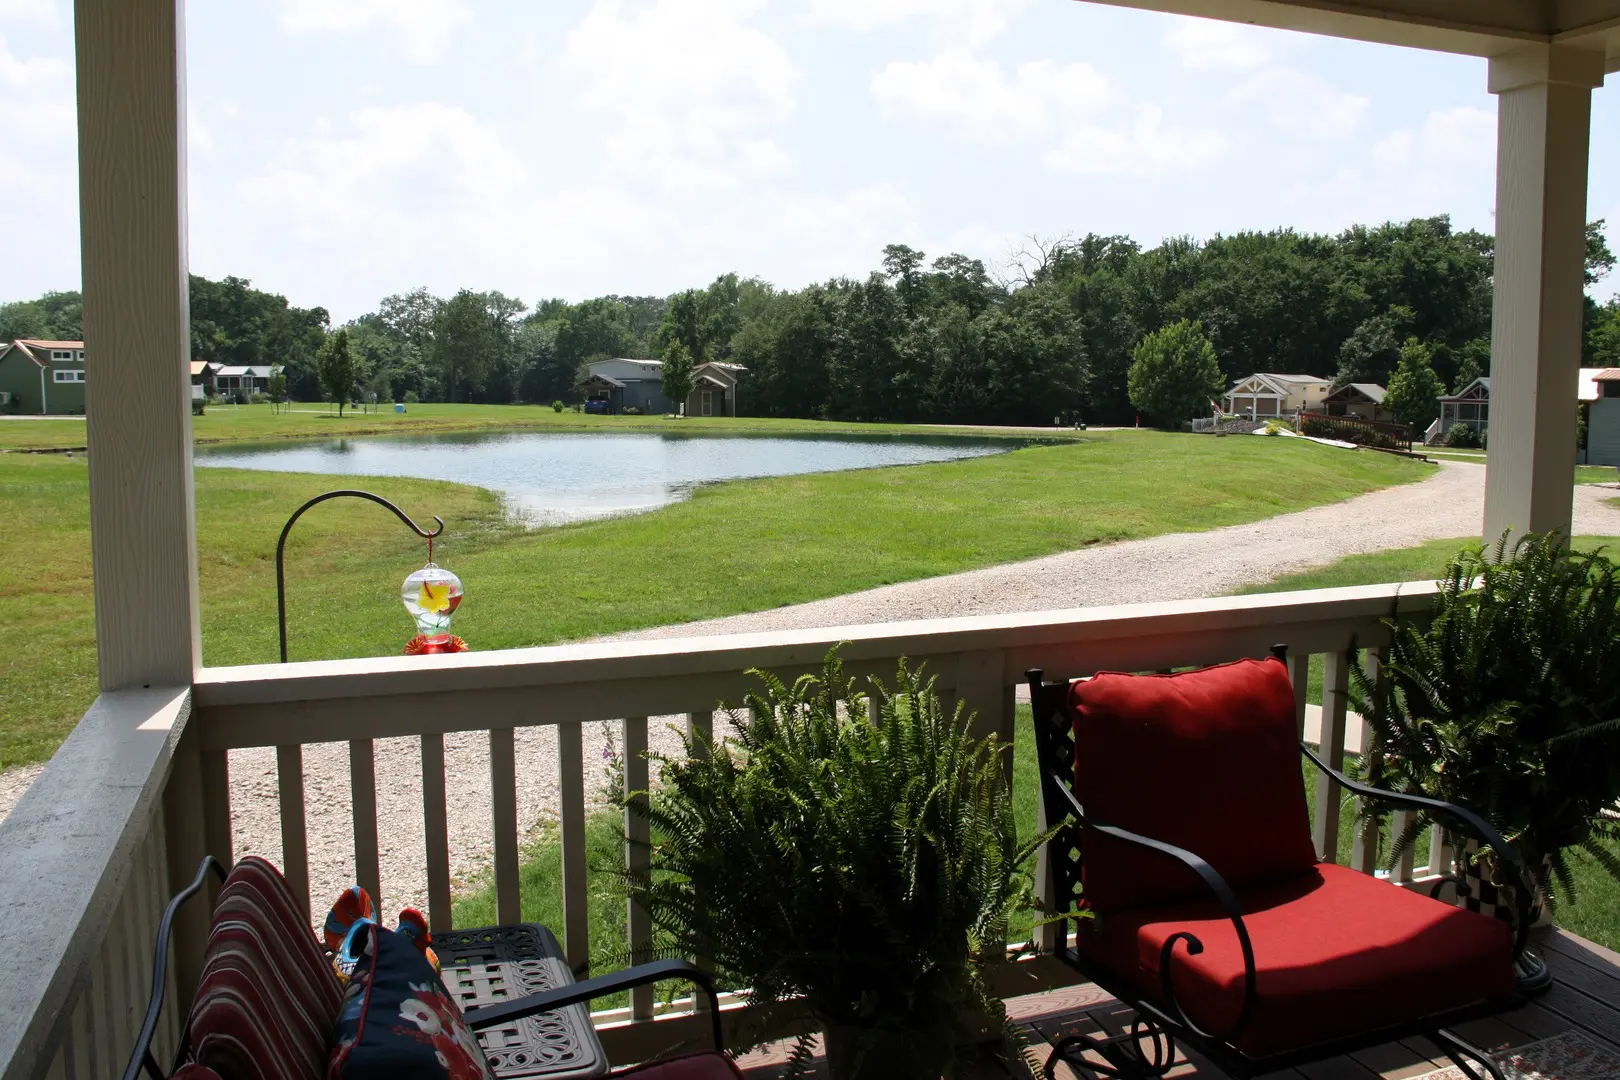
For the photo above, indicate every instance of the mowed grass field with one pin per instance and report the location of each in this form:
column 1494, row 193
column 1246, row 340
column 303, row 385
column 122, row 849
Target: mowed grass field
column 258, row 423
column 736, row 547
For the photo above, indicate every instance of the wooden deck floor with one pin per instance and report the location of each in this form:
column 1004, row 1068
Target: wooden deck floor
column 1585, row 997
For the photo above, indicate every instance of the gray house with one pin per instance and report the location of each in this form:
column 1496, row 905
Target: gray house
column 623, row 385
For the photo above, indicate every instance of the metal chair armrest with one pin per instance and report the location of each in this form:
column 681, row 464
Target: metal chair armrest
column 141, row 1056
column 1224, row 895
column 505, row 1012
column 1461, row 815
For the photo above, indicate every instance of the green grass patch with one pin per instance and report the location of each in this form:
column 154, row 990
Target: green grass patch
column 736, row 547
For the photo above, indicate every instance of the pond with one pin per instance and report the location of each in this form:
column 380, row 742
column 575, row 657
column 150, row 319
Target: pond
column 549, row 479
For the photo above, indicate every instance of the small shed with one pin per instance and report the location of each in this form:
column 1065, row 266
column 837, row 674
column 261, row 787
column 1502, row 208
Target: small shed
column 1362, row 400
column 1603, row 420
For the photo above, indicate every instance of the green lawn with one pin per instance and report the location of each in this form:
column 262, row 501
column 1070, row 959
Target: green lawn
column 1584, row 474
column 1596, row 912
column 256, row 423
column 736, row 547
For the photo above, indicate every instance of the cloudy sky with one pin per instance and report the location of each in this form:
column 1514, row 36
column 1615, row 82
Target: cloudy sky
column 345, row 149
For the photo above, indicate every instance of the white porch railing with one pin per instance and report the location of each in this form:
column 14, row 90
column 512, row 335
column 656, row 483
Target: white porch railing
column 141, row 790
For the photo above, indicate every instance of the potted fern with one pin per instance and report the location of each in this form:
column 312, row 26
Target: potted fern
column 855, row 872
column 1507, row 702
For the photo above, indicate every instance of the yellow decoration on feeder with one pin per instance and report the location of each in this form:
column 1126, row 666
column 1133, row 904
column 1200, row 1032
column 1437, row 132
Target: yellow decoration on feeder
column 434, row 597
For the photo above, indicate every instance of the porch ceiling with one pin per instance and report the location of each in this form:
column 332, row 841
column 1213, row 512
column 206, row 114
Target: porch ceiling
column 1470, row 27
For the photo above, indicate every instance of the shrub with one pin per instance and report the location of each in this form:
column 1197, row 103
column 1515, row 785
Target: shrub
column 1174, row 373
column 1277, row 427
column 411, row 398
column 260, row 398
column 1505, row 702
column 557, row 406
column 578, row 407
column 1463, row 437
column 866, row 867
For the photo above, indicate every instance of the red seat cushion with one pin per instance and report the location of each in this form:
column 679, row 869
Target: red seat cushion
column 267, row 997
column 1337, row 953
column 1205, row 760
column 705, row 1066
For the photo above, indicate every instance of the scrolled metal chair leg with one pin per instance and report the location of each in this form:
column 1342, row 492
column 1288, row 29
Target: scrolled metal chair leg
column 1466, row 1056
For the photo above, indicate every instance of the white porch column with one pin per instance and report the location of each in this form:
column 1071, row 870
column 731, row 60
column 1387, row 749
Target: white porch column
column 1544, row 111
column 132, row 213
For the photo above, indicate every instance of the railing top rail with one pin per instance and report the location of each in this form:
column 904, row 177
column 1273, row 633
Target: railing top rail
column 376, row 697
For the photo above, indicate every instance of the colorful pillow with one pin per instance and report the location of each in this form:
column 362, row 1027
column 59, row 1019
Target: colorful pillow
column 267, row 997
column 1206, row 760
column 399, row 1021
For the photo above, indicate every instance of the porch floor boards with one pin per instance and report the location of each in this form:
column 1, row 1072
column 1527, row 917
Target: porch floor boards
column 1585, row 997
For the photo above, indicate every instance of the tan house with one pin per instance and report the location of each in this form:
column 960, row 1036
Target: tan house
column 1269, row 394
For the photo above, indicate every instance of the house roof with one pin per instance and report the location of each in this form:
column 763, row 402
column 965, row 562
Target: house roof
column 1586, row 389
column 257, row 371
column 1371, row 391
column 1483, row 382
column 200, row 366
column 1604, row 374
column 610, row 380
column 1293, row 378
column 42, row 343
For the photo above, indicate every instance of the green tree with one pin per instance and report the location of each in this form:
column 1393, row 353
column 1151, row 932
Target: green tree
column 335, row 362
column 677, row 378
column 276, row 388
column 1414, row 388
column 1174, row 372
column 1372, row 350
column 684, row 325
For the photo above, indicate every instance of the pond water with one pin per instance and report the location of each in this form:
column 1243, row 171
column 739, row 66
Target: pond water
column 554, row 478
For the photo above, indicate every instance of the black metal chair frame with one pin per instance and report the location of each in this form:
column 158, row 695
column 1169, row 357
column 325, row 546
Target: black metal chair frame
column 478, row 1019
column 1158, row 1025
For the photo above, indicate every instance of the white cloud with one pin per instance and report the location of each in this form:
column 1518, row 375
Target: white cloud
column 1211, row 45
column 1301, row 103
column 970, row 22
column 1460, row 138
column 35, row 10
column 423, row 26
column 1146, row 147
column 692, row 90
column 987, row 101
column 35, row 71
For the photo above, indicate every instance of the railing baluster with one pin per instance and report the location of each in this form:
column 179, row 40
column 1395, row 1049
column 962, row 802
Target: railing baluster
column 294, row 840
column 1439, row 853
column 503, row 799
column 700, row 726
column 1364, row 855
column 436, row 833
column 1399, row 822
column 1335, row 702
column 1299, row 673
column 216, row 794
column 638, row 834
column 576, row 894
column 363, row 797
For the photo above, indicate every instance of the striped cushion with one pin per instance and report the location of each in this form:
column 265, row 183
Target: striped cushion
column 267, row 998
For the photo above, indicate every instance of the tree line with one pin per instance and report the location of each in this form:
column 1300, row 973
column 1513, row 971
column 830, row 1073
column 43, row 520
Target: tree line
column 1053, row 331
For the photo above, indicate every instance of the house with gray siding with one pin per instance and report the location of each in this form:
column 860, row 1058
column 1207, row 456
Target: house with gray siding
column 625, row 385
column 41, row 377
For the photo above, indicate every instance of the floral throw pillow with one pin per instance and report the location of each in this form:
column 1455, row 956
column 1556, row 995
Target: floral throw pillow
column 398, row 1021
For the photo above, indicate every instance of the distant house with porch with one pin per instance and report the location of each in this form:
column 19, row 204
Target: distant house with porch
column 625, row 384
column 1268, row 393
column 1362, row 400
column 42, row 377
column 235, row 380
column 1471, row 406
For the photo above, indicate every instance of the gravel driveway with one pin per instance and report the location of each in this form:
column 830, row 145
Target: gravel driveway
column 1178, row 566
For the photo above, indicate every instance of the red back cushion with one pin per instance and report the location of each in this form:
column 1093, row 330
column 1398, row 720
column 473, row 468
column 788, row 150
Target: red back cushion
column 267, row 998
column 1205, row 760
